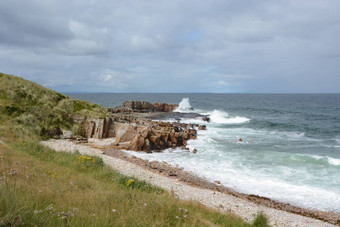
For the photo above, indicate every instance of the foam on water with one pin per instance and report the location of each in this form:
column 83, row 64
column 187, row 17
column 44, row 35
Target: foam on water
column 333, row 161
column 246, row 180
column 330, row 160
column 281, row 164
column 290, row 149
column 221, row 117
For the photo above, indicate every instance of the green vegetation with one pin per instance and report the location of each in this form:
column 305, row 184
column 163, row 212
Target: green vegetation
column 41, row 187
column 39, row 110
column 261, row 221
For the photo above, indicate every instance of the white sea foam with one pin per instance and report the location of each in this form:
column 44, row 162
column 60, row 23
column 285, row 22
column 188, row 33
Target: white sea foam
column 330, row 160
column 221, row 117
column 221, row 157
column 334, row 161
column 243, row 179
column 184, row 106
column 254, row 166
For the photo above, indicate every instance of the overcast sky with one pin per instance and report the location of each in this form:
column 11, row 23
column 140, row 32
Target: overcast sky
column 173, row 46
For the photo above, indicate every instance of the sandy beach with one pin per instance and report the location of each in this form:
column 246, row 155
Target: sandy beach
column 221, row 201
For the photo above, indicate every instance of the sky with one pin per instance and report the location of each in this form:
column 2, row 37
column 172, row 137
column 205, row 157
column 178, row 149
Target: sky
column 218, row 46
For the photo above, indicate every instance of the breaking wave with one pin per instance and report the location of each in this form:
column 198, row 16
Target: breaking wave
column 184, row 106
column 221, row 117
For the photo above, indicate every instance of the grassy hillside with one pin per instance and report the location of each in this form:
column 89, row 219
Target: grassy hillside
column 39, row 110
column 41, row 187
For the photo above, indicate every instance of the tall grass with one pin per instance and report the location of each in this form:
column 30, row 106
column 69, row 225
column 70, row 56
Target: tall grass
column 41, row 109
column 42, row 187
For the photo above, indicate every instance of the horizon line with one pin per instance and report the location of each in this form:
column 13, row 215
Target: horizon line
column 84, row 92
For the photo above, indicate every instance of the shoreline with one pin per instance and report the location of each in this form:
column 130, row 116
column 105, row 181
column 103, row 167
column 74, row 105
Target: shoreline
column 188, row 186
column 192, row 179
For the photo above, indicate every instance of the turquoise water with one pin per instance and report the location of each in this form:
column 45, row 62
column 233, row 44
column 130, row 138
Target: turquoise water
column 290, row 149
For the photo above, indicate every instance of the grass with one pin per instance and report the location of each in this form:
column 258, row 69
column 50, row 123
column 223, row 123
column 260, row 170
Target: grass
column 41, row 187
column 41, row 109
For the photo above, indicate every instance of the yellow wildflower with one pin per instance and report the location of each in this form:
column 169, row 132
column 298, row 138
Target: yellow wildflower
column 130, row 182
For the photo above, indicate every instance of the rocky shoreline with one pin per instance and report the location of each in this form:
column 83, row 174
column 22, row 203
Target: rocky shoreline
column 138, row 126
column 194, row 180
column 187, row 186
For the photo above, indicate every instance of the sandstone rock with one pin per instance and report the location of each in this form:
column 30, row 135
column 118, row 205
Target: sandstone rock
column 137, row 144
column 217, row 182
column 139, row 106
column 137, row 134
column 95, row 127
column 146, row 145
column 164, row 107
column 66, row 134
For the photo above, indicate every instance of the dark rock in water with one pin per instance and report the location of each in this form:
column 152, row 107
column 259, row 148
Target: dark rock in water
column 202, row 127
column 194, row 151
column 240, row 140
column 207, row 119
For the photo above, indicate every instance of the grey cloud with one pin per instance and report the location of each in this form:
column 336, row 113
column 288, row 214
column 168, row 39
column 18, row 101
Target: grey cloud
column 191, row 46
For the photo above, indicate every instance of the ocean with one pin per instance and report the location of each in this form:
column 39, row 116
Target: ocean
column 290, row 148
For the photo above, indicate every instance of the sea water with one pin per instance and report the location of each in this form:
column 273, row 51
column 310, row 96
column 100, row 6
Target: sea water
column 290, row 148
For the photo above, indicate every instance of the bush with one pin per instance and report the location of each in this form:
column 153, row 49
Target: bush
column 260, row 221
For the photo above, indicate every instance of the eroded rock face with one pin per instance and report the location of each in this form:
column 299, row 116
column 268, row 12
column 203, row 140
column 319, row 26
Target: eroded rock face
column 143, row 107
column 138, row 134
column 164, row 107
column 151, row 136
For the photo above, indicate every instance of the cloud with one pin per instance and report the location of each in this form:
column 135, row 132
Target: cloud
column 176, row 46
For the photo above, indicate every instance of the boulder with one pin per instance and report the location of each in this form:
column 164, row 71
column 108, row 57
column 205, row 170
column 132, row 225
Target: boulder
column 137, row 134
column 207, row 119
column 202, row 127
column 66, row 134
column 143, row 107
column 138, row 106
column 164, row 107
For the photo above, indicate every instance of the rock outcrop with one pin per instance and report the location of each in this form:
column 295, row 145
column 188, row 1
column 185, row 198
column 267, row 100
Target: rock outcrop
column 138, row 134
column 138, row 106
column 164, row 107
column 143, row 107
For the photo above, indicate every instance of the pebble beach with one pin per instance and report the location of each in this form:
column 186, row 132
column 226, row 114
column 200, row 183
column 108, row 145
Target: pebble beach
column 210, row 198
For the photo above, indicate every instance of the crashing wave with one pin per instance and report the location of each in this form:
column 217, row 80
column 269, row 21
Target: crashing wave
column 184, row 106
